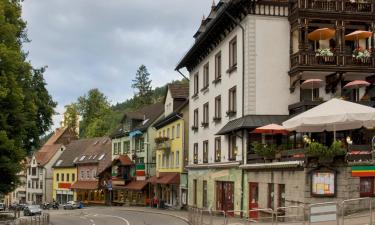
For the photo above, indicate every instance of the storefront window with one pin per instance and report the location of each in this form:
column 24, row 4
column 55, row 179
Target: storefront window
column 366, row 186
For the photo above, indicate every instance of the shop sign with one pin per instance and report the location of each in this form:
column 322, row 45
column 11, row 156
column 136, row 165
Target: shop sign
column 363, row 171
column 64, row 185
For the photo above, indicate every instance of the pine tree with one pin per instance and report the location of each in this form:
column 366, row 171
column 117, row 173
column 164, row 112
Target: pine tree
column 142, row 83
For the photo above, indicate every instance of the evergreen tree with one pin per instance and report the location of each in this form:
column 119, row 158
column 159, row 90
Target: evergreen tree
column 142, row 83
column 26, row 106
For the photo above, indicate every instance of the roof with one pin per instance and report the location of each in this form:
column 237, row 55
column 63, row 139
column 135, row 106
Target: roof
column 179, row 91
column 124, row 160
column 72, row 151
column 171, row 117
column 45, row 154
column 98, row 150
column 251, row 121
column 146, row 116
column 55, row 136
column 165, row 178
column 85, row 185
column 136, row 185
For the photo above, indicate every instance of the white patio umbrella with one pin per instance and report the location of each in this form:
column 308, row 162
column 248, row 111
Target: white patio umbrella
column 333, row 115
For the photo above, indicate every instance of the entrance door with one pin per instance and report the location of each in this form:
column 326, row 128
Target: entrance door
column 253, row 199
column 225, row 196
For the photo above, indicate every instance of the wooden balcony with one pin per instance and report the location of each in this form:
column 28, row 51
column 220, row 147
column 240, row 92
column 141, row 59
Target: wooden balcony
column 165, row 145
column 309, row 61
column 305, row 105
column 342, row 6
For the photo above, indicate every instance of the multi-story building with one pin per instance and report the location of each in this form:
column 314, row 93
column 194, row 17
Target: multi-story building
column 172, row 143
column 92, row 161
column 39, row 171
column 65, row 171
column 134, row 138
column 246, row 66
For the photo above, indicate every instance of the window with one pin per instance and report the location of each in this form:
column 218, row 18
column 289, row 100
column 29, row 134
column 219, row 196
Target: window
column 196, row 84
column 217, row 108
column 163, row 163
column 57, row 177
column 177, row 158
column 159, row 161
column 167, row 160
column 119, row 148
column 204, row 197
column 178, row 131
column 36, row 184
column 206, row 76
column 366, row 186
column 159, row 133
column 205, row 115
column 67, row 177
column 126, row 147
column 88, row 174
column 281, row 195
column 323, row 183
column 142, row 144
column 33, row 171
column 218, row 66
column 32, row 184
column 168, row 133
column 233, row 53
column 172, row 160
column 232, row 101
column 41, row 184
column 82, row 174
column 73, row 177
column 217, row 149
column 205, row 151
column 62, row 177
column 114, row 148
column 94, row 174
column 29, row 184
column 196, row 121
column 173, row 132
column 232, row 147
column 195, row 153
column 194, row 192
column 271, row 196
column 29, row 171
column 163, row 133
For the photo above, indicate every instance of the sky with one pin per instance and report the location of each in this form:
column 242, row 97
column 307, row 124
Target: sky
column 100, row 44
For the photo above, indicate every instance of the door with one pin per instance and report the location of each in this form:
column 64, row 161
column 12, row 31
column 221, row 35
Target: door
column 253, row 199
column 219, row 195
column 225, row 196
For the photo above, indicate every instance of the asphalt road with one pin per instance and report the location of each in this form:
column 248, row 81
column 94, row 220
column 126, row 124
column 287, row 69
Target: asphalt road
column 110, row 216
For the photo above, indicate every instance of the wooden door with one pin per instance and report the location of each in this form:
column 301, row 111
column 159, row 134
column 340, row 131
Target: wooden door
column 228, row 197
column 253, row 199
column 219, row 195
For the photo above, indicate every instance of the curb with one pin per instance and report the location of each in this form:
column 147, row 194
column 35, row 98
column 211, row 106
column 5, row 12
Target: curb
column 160, row 213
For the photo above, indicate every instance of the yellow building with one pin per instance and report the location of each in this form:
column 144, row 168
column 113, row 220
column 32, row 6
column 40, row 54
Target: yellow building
column 63, row 178
column 65, row 172
column 170, row 182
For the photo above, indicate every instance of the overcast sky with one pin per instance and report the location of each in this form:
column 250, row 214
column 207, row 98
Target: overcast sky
column 100, row 44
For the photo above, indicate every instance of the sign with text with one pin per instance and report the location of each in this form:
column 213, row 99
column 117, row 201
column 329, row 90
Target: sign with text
column 64, row 185
column 323, row 183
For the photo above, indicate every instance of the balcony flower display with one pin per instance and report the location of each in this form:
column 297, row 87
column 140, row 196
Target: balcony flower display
column 360, row 53
column 325, row 153
column 324, row 52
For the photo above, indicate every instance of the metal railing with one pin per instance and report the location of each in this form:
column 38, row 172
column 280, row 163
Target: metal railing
column 43, row 219
column 350, row 211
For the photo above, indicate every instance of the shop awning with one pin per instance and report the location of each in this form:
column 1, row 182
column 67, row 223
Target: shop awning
column 85, row 185
column 136, row 185
column 251, row 122
column 165, row 178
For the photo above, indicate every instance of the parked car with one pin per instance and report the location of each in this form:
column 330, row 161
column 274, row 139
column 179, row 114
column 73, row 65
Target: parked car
column 72, row 205
column 32, row 210
column 2, row 207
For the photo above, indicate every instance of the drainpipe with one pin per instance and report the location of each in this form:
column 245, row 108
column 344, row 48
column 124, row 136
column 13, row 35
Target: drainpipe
column 243, row 101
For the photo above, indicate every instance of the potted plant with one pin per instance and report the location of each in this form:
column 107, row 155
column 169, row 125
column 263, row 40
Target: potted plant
column 323, row 153
column 361, row 55
column 324, row 55
column 267, row 151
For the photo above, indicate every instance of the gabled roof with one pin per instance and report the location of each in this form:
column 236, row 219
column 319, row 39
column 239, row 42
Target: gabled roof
column 71, row 153
column 171, row 117
column 124, row 160
column 55, row 136
column 45, row 154
column 179, row 91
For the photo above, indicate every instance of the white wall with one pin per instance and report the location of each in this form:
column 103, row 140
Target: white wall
column 168, row 105
column 221, row 88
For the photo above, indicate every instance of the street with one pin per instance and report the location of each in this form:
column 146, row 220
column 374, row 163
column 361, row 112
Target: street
column 111, row 216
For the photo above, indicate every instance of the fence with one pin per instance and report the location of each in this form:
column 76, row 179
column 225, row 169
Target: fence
column 32, row 220
column 357, row 211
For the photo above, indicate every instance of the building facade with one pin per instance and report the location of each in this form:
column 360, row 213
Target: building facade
column 172, row 140
column 246, row 69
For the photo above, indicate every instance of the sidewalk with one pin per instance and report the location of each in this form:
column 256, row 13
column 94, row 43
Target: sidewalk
column 180, row 214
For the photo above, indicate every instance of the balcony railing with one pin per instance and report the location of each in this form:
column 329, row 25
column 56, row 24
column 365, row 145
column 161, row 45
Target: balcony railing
column 351, row 6
column 304, row 58
column 305, row 105
column 165, row 145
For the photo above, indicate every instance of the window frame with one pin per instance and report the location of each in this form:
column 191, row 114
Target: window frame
column 232, row 144
column 218, row 149
column 218, row 104
column 206, row 76
column 232, row 101
column 233, row 53
column 195, row 153
column 205, row 151
column 218, row 66
column 370, row 193
column 206, row 115
column 196, row 118
column 196, row 84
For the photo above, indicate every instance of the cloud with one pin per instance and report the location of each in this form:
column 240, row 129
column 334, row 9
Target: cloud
column 100, row 44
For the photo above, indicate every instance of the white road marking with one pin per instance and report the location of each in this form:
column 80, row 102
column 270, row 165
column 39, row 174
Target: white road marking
column 118, row 217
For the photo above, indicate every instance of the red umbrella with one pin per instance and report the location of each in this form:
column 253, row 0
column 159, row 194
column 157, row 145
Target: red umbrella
column 356, row 84
column 311, row 84
column 271, row 129
column 358, row 34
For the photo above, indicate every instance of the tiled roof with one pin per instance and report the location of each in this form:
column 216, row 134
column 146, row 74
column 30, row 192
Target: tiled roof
column 85, row 185
column 55, row 136
column 72, row 151
column 124, row 160
column 45, row 154
column 136, row 185
column 165, row 178
column 251, row 121
column 180, row 91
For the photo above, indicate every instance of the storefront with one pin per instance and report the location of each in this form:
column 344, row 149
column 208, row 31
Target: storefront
column 88, row 192
column 135, row 193
column 64, row 196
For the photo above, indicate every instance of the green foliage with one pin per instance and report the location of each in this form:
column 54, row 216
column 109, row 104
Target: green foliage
column 71, row 117
column 142, row 83
column 264, row 150
column 26, row 106
column 316, row 149
column 94, row 109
